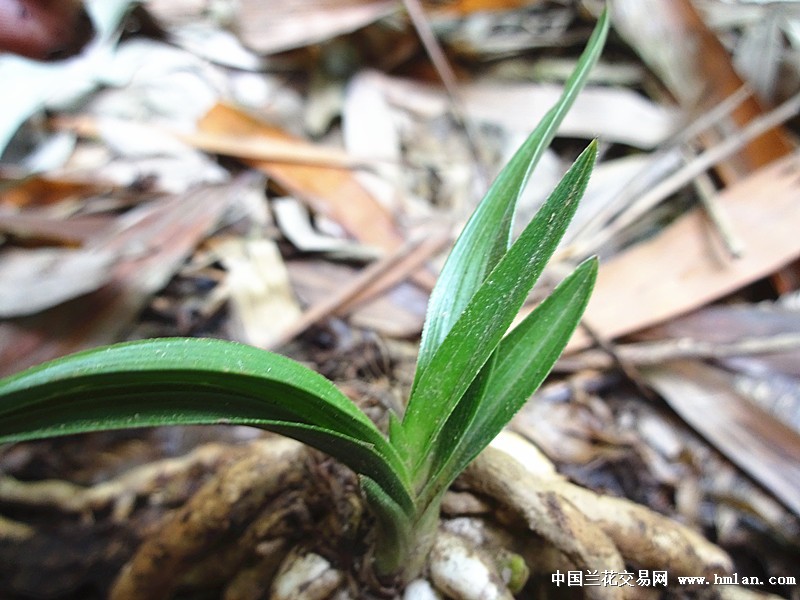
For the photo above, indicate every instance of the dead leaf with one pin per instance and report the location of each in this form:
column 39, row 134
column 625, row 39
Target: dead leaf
column 705, row 397
column 332, row 192
column 270, row 27
column 627, row 117
column 293, row 220
column 682, row 268
column 398, row 312
column 40, row 190
column 673, row 39
column 32, row 229
column 37, row 278
column 154, row 241
column 375, row 279
column 466, row 7
column 258, row 284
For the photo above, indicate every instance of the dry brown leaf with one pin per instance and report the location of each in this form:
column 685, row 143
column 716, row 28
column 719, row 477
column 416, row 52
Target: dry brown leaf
column 332, row 192
column 258, row 283
column 157, row 239
column 35, row 279
column 31, row 229
column 466, row 7
column 683, row 267
column 376, row 279
column 705, row 397
column 40, row 190
column 397, row 313
column 673, row 39
column 269, row 27
column 627, row 117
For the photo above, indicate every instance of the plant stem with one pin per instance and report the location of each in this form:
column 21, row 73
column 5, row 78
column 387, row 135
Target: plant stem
column 403, row 551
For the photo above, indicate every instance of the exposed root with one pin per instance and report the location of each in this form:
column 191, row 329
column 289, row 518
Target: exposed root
column 245, row 532
column 421, row 589
column 644, row 537
column 15, row 532
column 305, row 577
column 548, row 514
column 122, row 491
column 459, row 571
column 736, row 592
column 255, row 580
column 222, row 507
column 595, row 532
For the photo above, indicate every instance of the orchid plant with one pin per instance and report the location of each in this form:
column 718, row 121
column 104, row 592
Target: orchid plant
column 472, row 374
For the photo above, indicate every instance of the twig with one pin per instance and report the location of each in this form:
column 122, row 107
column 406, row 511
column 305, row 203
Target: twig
column 611, row 352
column 706, row 193
column 684, row 175
column 663, row 162
column 585, row 381
column 653, row 353
column 420, row 22
column 373, row 280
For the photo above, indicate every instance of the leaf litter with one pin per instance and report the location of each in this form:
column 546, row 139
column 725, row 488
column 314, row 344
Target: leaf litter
column 162, row 128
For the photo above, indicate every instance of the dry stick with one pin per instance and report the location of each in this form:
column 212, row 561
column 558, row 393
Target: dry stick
column 418, row 19
column 717, row 215
column 663, row 161
column 685, row 174
column 653, row 353
column 381, row 275
column 627, row 368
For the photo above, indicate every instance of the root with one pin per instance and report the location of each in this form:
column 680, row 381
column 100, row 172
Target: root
column 239, row 532
column 223, row 507
column 548, row 514
column 595, row 532
column 457, row 570
column 13, row 531
column 120, row 492
column 644, row 537
column 305, row 577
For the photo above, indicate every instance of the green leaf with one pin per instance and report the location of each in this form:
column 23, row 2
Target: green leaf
column 394, row 530
column 522, row 361
column 486, row 236
column 196, row 381
column 463, row 414
column 488, row 316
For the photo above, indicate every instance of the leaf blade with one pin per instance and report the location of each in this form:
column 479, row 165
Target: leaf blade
column 523, row 360
column 486, row 236
column 195, row 381
column 489, row 314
